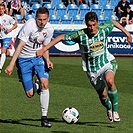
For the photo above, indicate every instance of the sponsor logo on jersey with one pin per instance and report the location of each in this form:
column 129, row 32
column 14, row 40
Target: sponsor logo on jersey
column 96, row 46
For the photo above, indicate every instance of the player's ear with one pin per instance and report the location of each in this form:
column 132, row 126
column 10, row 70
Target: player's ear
column 48, row 18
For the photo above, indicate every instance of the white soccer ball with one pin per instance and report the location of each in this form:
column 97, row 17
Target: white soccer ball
column 70, row 115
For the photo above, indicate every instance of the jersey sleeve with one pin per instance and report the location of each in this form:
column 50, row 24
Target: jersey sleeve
column 11, row 20
column 50, row 33
column 107, row 27
column 72, row 36
column 25, row 32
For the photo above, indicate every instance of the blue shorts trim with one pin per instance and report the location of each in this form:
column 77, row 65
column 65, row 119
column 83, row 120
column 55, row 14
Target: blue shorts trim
column 5, row 42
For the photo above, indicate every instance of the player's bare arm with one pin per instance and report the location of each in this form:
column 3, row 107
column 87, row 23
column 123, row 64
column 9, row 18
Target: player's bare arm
column 129, row 37
column 49, row 63
column 9, row 68
column 40, row 52
column 13, row 27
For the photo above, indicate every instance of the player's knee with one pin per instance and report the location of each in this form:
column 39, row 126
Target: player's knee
column 3, row 51
column 110, row 82
column 44, row 86
column 29, row 94
column 103, row 96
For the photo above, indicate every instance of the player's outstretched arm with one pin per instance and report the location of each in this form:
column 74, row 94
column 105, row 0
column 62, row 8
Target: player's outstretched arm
column 117, row 25
column 40, row 52
column 9, row 68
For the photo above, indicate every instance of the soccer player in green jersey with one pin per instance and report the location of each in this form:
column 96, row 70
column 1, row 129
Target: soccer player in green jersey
column 93, row 46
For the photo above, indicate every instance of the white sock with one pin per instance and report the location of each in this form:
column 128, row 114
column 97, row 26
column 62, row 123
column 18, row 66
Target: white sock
column 44, row 101
column 2, row 60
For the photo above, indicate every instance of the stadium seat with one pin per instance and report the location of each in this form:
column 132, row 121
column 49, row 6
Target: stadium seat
column 72, row 9
column 56, row 2
column 29, row 16
column 83, row 9
column 51, row 8
column 102, row 2
column 113, row 3
column 96, row 8
column 66, row 19
column 35, row 7
column 46, row 2
column 31, row 2
column 102, row 18
column 18, row 17
column 54, row 19
column 114, row 17
column 108, row 10
column 61, row 9
column 78, row 19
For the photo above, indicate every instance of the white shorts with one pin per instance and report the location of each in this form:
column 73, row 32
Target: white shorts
column 97, row 78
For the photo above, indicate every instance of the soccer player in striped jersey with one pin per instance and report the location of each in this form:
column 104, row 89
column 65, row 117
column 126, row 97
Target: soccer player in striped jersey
column 92, row 43
column 35, row 33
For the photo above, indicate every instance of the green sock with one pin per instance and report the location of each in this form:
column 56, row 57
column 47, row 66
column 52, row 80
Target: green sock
column 113, row 95
column 106, row 103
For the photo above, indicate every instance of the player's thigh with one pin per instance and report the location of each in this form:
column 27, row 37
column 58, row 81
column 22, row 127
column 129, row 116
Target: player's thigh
column 25, row 72
column 96, row 80
column 40, row 68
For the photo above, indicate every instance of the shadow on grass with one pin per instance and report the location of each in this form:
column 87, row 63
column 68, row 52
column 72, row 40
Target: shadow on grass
column 22, row 122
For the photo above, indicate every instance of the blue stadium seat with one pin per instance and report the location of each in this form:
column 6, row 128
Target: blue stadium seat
column 96, row 8
column 108, row 10
column 78, row 19
column 35, row 7
column 56, row 2
column 113, row 3
column 114, row 17
column 66, row 19
column 61, row 9
column 18, row 17
column 51, row 8
column 83, row 9
column 103, row 2
column 29, row 16
column 72, row 9
column 46, row 2
column 54, row 19
column 102, row 18
column 31, row 2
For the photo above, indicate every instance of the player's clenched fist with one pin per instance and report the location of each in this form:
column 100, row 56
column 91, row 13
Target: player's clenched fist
column 9, row 70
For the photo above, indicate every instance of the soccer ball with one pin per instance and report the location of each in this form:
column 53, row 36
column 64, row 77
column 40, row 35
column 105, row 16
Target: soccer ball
column 70, row 115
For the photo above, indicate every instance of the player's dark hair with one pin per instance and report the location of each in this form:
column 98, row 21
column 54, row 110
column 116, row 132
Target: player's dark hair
column 91, row 16
column 129, row 7
column 2, row 4
column 42, row 10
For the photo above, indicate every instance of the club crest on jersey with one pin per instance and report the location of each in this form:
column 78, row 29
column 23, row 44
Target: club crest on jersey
column 4, row 21
column 44, row 34
column 96, row 46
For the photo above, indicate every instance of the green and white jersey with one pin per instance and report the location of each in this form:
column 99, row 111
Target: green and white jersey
column 92, row 48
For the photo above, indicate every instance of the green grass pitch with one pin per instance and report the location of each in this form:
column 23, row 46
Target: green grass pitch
column 69, row 86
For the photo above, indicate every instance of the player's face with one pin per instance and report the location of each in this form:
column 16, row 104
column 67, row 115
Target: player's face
column 2, row 10
column 93, row 27
column 41, row 20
